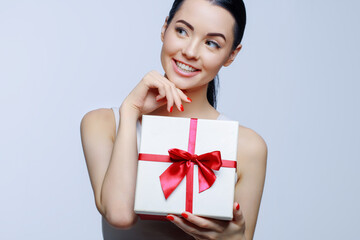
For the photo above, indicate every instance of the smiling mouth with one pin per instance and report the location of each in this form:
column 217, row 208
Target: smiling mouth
column 184, row 67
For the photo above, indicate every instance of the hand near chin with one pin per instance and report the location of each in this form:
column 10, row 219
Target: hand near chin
column 205, row 228
column 152, row 92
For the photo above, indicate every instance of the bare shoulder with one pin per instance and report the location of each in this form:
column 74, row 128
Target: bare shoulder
column 252, row 148
column 99, row 122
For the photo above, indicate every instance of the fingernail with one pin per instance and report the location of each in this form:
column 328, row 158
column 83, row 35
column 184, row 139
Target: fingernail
column 170, row 218
column 184, row 215
column 189, row 99
column 171, row 109
column 237, row 206
column 181, row 108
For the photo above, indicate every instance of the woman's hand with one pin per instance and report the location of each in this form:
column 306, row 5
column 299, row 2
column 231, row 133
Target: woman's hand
column 205, row 228
column 152, row 92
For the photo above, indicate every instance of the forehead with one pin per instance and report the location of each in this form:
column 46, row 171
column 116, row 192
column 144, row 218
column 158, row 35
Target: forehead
column 206, row 16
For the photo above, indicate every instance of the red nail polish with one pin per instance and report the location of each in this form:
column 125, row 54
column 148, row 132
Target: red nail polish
column 171, row 109
column 171, row 218
column 184, row 215
column 181, row 108
column 189, row 99
column 237, row 206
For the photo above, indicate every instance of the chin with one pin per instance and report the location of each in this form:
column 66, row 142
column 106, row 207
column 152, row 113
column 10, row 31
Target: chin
column 184, row 83
column 180, row 83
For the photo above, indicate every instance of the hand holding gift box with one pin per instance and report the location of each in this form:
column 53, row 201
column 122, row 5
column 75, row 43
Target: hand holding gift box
column 200, row 180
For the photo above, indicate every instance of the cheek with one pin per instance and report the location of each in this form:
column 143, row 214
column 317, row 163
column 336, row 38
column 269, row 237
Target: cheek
column 171, row 44
column 170, row 48
column 213, row 62
column 167, row 51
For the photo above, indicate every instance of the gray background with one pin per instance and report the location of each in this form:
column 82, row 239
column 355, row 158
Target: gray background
column 295, row 82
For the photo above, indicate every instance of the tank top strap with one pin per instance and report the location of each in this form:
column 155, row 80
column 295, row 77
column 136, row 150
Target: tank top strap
column 117, row 117
column 223, row 117
column 117, row 120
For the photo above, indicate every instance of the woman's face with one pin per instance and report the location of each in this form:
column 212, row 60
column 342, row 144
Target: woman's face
column 197, row 43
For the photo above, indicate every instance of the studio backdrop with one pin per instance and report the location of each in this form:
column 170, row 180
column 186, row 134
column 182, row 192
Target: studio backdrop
column 295, row 82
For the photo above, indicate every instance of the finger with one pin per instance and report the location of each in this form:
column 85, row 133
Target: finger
column 183, row 96
column 177, row 99
column 178, row 95
column 181, row 93
column 205, row 223
column 161, row 102
column 238, row 216
column 169, row 97
column 168, row 92
column 160, row 86
column 188, row 227
column 159, row 97
column 164, row 94
column 157, row 81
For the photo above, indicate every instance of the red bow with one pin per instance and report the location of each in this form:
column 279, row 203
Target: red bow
column 183, row 160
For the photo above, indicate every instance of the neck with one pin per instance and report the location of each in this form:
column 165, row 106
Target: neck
column 198, row 108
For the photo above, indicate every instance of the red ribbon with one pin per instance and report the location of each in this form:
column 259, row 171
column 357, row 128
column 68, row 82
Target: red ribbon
column 176, row 172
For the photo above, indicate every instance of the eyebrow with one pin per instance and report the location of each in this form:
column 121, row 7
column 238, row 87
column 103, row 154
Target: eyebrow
column 209, row 34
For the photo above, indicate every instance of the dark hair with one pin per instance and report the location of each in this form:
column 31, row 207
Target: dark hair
column 237, row 10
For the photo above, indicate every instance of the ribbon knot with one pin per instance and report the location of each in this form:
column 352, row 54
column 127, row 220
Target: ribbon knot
column 194, row 157
column 182, row 161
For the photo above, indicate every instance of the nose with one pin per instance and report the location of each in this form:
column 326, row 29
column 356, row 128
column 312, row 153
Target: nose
column 191, row 50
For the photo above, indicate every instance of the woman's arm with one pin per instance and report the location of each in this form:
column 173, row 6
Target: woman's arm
column 112, row 163
column 252, row 158
column 118, row 189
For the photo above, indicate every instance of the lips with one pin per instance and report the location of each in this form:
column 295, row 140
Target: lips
column 184, row 69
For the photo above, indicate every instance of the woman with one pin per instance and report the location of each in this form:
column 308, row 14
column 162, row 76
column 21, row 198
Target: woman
column 199, row 37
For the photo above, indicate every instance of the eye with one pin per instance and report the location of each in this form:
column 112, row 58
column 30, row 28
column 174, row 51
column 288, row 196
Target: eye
column 212, row 44
column 181, row 31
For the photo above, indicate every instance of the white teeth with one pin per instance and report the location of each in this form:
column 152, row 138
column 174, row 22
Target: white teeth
column 184, row 67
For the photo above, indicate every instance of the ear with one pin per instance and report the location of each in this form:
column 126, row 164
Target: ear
column 163, row 29
column 233, row 55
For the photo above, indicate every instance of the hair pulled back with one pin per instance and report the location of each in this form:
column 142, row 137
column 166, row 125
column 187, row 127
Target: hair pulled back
column 237, row 9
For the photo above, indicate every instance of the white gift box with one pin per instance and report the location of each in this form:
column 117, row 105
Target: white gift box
column 158, row 135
